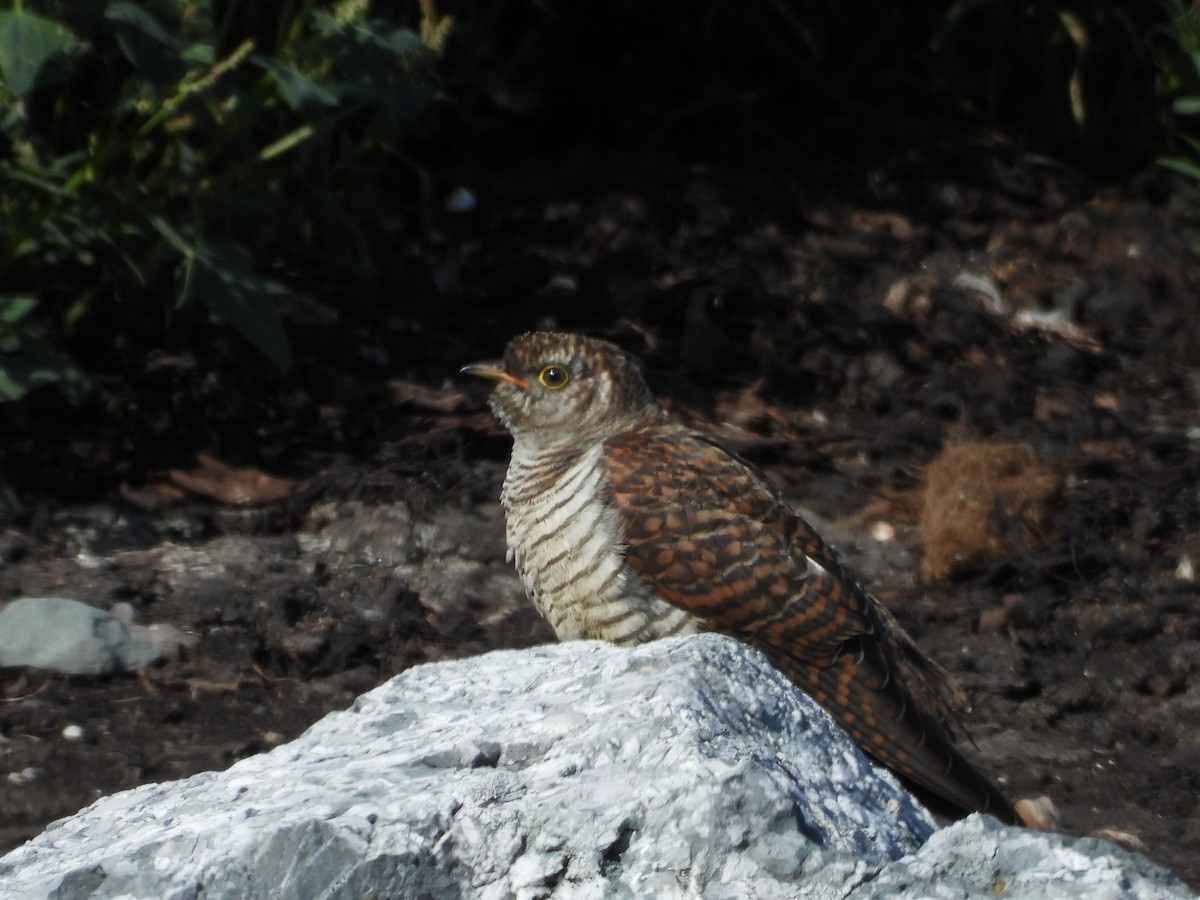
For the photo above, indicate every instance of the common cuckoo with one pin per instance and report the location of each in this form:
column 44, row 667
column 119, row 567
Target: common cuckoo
column 627, row 526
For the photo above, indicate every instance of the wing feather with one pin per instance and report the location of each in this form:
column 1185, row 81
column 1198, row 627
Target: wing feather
column 711, row 536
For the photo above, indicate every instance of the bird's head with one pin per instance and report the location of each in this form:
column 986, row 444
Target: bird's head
column 552, row 386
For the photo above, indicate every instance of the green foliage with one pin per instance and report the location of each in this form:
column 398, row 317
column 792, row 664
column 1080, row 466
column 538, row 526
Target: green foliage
column 27, row 43
column 31, row 356
column 191, row 151
column 1176, row 46
column 1075, row 75
column 1077, row 79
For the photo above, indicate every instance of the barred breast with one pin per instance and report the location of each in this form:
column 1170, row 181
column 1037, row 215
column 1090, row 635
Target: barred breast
column 564, row 537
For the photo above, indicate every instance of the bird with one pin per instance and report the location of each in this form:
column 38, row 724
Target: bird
column 627, row 526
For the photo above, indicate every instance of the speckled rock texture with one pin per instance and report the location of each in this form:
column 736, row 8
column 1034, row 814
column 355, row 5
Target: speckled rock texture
column 686, row 768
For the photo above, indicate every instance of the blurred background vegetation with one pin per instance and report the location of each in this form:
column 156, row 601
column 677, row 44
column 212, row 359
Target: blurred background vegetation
column 189, row 168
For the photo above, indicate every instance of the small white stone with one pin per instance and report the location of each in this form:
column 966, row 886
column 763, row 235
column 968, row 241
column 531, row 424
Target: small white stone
column 883, row 532
column 1186, row 570
column 73, row 733
column 25, row 776
column 461, row 200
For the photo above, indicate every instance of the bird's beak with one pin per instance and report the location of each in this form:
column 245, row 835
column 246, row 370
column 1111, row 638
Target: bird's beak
column 495, row 372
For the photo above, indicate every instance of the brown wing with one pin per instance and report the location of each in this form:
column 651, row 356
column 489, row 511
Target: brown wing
column 712, row 537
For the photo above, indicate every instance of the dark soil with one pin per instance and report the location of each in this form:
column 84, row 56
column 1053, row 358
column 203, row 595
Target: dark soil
column 827, row 333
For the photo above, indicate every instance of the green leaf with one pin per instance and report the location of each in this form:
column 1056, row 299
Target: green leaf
column 36, row 362
column 1192, row 142
column 27, row 43
column 199, row 54
column 156, row 54
column 14, row 307
column 223, row 276
column 373, row 61
column 299, row 92
column 1183, row 166
column 1186, row 106
column 400, row 41
column 9, row 389
column 20, row 375
column 325, row 24
column 287, row 142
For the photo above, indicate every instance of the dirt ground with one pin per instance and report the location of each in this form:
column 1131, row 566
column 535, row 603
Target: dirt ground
column 840, row 337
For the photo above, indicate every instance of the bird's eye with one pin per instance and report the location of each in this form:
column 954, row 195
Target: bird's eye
column 554, row 377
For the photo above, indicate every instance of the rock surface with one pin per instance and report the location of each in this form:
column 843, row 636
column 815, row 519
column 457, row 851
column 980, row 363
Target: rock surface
column 687, row 768
column 71, row 637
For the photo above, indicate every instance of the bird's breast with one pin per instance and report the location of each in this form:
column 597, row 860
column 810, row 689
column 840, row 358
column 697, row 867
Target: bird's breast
column 565, row 537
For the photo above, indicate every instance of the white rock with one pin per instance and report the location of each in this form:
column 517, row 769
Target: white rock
column 687, row 768
column 71, row 637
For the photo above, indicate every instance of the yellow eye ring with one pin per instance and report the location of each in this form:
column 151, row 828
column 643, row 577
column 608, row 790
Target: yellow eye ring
column 554, row 377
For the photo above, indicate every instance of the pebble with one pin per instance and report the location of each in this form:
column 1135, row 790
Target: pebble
column 26, row 776
column 1186, row 570
column 461, row 200
column 68, row 636
column 883, row 531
